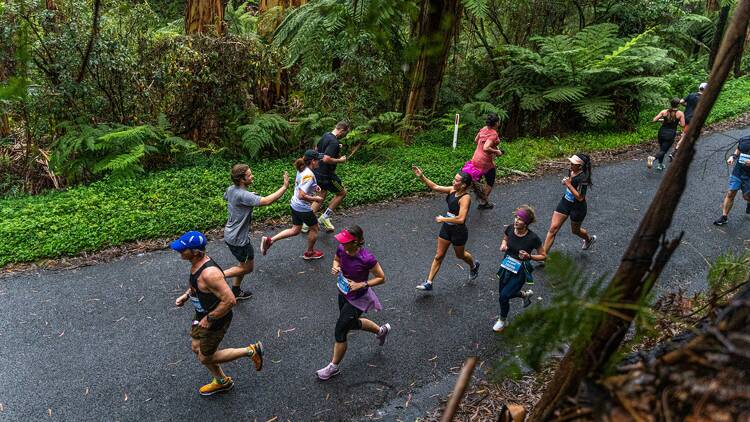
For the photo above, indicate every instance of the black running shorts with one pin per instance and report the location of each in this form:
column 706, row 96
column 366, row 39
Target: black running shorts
column 304, row 217
column 457, row 234
column 242, row 253
column 576, row 210
column 330, row 183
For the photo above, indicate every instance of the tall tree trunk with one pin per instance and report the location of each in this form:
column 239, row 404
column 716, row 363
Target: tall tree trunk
column 738, row 60
column 718, row 34
column 204, row 17
column 437, row 26
column 638, row 267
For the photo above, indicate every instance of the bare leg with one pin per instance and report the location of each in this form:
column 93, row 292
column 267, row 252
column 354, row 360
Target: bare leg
column 726, row 206
column 239, row 271
column 316, row 205
column 337, row 200
column 579, row 231
column 462, row 253
column 227, row 355
column 554, row 227
column 339, row 350
column 291, row 232
column 370, row 326
column 312, row 236
column 442, row 247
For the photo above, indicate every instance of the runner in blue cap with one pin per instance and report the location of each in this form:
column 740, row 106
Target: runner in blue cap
column 213, row 302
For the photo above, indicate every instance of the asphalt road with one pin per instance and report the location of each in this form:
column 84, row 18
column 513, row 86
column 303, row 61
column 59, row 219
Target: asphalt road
column 107, row 343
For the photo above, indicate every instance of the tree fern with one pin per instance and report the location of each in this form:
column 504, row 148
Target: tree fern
column 266, row 132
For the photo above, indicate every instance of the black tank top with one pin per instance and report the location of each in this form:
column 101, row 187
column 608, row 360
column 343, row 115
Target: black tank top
column 453, row 204
column 208, row 300
column 670, row 123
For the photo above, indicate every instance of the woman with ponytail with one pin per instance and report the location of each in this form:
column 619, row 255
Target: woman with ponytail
column 573, row 202
column 487, row 150
column 669, row 119
column 305, row 187
column 453, row 230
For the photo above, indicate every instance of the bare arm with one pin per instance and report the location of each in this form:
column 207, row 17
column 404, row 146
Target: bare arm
column 658, row 116
column 182, row 298
column 681, row 115
column 215, row 283
column 270, row 199
column 731, row 158
column 378, row 278
column 488, row 148
column 573, row 190
column 330, row 160
column 310, row 198
column 429, row 183
column 504, row 243
column 336, row 266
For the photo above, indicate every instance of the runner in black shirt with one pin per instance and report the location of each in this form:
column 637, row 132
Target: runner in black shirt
column 573, row 203
column 690, row 102
column 669, row 119
column 330, row 146
column 518, row 244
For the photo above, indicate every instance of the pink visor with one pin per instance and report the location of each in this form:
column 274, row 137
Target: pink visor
column 345, row 237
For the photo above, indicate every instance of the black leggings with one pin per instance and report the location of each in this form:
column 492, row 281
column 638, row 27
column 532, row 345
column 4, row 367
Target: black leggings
column 348, row 319
column 665, row 143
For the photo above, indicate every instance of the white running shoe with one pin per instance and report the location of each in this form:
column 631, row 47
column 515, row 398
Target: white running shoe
column 650, row 161
column 587, row 243
column 499, row 326
column 305, row 228
column 383, row 333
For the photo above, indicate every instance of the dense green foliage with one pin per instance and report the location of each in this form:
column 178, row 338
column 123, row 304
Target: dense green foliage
column 114, row 211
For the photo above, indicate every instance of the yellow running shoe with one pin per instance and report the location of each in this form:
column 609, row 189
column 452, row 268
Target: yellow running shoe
column 215, row 386
column 257, row 354
column 326, row 223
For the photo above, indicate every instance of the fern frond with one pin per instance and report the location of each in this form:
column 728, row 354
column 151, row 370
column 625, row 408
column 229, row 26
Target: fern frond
column 564, row 94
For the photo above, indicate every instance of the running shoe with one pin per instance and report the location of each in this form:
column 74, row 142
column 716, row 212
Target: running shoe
column 499, row 326
column 326, row 223
column 587, row 243
column 486, row 206
column 650, row 161
column 721, row 221
column 474, row 272
column 383, row 333
column 257, row 356
column 527, row 297
column 671, row 155
column 216, row 386
column 660, row 167
column 331, row 370
column 305, row 228
column 316, row 254
column 265, row 244
column 747, row 208
column 240, row 294
column 427, row 286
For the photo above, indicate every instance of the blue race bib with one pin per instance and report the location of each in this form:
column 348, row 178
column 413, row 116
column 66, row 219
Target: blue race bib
column 343, row 284
column 569, row 195
column 197, row 305
column 450, row 215
column 511, row 264
column 744, row 158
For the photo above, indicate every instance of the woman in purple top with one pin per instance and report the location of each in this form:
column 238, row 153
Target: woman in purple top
column 353, row 265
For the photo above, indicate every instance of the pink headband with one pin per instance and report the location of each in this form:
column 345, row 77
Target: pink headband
column 524, row 216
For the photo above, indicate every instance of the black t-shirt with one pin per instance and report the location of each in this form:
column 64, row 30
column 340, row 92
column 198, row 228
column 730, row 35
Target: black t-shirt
column 580, row 184
column 742, row 170
column 690, row 102
column 530, row 242
column 329, row 145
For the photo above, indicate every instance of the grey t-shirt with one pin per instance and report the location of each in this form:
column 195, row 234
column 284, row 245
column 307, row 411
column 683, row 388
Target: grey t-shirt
column 240, row 205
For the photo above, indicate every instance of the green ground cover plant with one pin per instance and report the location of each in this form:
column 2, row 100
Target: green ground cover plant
column 115, row 211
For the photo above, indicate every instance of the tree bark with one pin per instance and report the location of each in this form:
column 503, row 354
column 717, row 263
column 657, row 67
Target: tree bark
column 204, row 17
column 437, row 26
column 285, row 4
column 718, row 34
column 92, row 40
column 738, row 60
column 633, row 278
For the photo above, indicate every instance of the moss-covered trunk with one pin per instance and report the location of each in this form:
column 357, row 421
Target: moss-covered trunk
column 204, row 17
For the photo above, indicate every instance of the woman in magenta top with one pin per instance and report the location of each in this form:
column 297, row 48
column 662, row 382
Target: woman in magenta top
column 353, row 265
column 488, row 142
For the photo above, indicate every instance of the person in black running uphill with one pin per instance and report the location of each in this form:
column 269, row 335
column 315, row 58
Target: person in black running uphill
column 519, row 244
column 738, row 180
column 213, row 302
column 573, row 202
column 669, row 119
column 453, row 230
column 690, row 102
column 330, row 146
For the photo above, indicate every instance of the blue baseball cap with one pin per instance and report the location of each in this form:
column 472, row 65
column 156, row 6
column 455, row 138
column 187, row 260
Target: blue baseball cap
column 189, row 240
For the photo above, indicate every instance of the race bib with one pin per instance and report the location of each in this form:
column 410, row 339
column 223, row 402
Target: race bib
column 744, row 159
column 449, row 215
column 197, row 305
column 569, row 195
column 511, row 264
column 343, row 284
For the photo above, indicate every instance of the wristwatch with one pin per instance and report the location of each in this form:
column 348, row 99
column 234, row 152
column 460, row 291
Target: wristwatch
column 367, row 284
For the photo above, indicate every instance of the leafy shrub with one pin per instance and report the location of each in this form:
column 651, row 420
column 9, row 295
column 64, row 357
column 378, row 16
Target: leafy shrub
column 266, row 132
column 121, row 151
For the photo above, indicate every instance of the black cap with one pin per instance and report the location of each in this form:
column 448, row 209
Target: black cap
column 311, row 154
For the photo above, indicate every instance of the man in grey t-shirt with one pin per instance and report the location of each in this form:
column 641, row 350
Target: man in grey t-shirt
column 240, row 204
